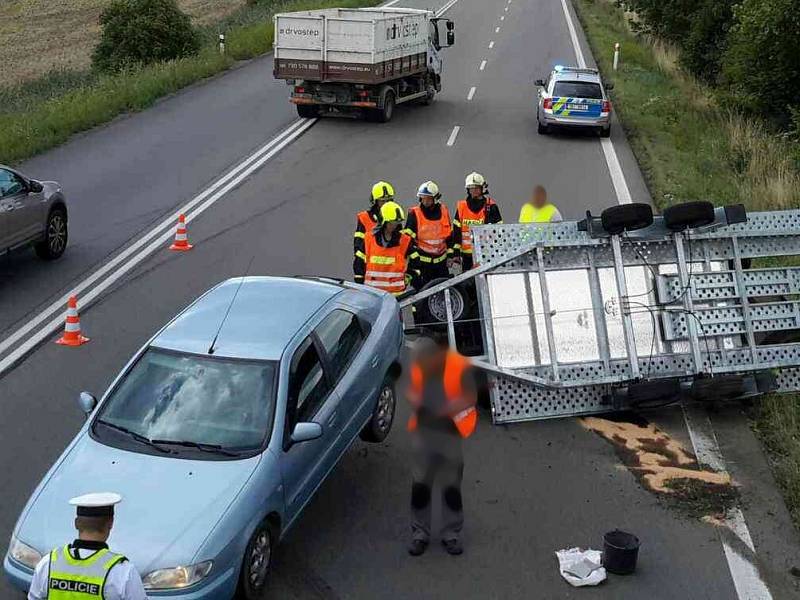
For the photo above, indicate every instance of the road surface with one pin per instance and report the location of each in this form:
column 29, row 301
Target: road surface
column 530, row 489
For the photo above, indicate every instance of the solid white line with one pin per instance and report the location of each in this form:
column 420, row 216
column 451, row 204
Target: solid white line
column 471, row 92
column 446, row 7
column 491, row 45
column 391, row 3
column 191, row 209
column 483, row 65
column 746, row 579
column 452, row 139
column 497, row 30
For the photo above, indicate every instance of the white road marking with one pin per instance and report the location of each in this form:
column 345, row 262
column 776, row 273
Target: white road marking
column 471, row 92
column 143, row 247
column 391, row 3
column 491, row 45
column 746, row 579
column 506, row 9
column 503, row 18
column 452, row 139
column 446, row 7
column 483, row 65
column 497, row 30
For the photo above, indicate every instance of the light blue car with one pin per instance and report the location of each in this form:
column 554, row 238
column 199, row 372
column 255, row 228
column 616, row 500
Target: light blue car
column 220, row 429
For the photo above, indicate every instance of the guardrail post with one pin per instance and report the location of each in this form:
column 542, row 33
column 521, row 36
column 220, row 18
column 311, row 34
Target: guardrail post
column 222, row 43
column 616, row 55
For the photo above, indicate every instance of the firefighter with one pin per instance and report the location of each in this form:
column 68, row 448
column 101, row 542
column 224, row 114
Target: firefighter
column 389, row 262
column 429, row 224
column 442, row 395
column 539, row 210
column 478, row 208
column 366, row 220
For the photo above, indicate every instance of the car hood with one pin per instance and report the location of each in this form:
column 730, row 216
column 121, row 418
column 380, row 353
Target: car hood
column 169, row 505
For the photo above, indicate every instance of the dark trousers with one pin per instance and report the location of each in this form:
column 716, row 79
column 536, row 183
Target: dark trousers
column 431, row 271
column 437, row 457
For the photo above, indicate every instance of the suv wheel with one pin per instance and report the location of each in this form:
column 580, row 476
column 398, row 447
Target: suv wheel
column 55, row 236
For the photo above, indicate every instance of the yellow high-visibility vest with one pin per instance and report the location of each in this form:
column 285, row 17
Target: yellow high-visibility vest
column 531, row 214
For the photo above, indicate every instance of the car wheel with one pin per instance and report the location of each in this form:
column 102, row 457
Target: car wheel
column 387, row 112
column 257, row 561
column 542, row 129
column 605, row 131
column 56, row 235
column 380, row 423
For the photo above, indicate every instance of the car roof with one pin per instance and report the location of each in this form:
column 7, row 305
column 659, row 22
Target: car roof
column 265, row 315
column 575, row 74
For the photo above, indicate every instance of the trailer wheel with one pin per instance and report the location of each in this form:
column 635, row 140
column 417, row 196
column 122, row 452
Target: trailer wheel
column 432, row 311
column 386, row 113
column 688, row 214
column 627, row 217
column 307, row 111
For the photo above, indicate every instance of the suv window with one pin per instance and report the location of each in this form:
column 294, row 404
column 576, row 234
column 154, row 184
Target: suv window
column 10, row 184
column 341, row 336
column 308, row 386
column 578, row 89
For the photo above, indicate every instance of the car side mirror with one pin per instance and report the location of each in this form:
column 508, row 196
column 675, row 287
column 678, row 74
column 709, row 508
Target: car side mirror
column 539, row 82
column 35, row 186
column 87, row 402
column 305, row 432
column 451, row 38
column 609, row 85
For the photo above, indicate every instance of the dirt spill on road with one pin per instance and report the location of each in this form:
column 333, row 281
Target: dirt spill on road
column 665, row 467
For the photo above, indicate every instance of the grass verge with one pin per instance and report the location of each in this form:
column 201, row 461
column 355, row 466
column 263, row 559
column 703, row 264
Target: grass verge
column 691, row 149
column 45, row 113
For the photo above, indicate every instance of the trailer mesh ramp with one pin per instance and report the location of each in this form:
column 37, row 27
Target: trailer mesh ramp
column 577, row 321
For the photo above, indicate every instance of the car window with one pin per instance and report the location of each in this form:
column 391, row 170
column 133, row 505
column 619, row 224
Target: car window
column 578, row 89
column 308, row 386
column 341, row 336
column 188, row 398
column 10, row 184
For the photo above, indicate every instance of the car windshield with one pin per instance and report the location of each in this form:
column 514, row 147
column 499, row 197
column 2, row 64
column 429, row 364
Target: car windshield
column 174, row 401
column 578, row 89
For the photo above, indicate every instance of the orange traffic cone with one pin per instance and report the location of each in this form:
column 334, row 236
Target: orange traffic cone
column 181, row 243
column 72, row 328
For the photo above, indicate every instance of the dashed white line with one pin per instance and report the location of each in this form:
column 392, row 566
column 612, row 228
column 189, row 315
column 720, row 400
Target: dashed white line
column 471, row 92
column 483, row 65
column 497, row 30
column 452, row 139
column 503, row 18
column 506, row 9
column 491, row 45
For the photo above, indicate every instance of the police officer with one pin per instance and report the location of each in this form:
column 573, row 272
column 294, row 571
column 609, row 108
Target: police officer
column 539, row 210
column 368, row 219
column 429, row 224
column 478, row 208
column 86, row 569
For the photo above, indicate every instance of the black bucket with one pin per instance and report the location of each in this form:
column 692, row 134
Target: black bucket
column 620, row 551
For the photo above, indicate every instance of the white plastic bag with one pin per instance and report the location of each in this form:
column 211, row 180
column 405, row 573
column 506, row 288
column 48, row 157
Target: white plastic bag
column 581, row 567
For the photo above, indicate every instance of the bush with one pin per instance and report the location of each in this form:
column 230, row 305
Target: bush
column 703, row 48
column 669, row 19
column 143, row 32
column 761, row 65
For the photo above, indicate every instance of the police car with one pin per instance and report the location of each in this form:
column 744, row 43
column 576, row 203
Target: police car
column 573, row 97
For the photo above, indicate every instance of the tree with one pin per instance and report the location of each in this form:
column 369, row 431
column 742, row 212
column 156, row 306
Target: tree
column 143, row 32
column 704, row 46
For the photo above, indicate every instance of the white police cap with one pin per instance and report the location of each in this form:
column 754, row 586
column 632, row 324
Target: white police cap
column 99, row 504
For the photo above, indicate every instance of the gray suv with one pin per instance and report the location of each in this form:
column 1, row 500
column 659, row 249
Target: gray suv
column 573, row 97
column 32, row 213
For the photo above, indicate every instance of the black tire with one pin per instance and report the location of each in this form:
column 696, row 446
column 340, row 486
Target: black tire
column 605, row 131
column 380, row 423
column 627, row 217
column 542, row 129
column 257, row 562
column 56, row 236
column 430, row 97
column 688, row 215
column 719, row 387
column 307, row 111
column 433, row 310
column 655, row 391
column 386, row 113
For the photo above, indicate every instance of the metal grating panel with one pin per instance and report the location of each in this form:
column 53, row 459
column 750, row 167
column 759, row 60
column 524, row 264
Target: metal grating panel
column 729, row 320
column 721, row 285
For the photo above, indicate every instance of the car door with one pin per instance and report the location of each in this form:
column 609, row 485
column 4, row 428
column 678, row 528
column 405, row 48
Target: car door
column 21, row 209
column 341, row 335
column 310, row 398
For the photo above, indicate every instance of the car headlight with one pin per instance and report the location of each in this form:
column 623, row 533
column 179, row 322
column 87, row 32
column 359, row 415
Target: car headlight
column 24, row 554
column 176, row 577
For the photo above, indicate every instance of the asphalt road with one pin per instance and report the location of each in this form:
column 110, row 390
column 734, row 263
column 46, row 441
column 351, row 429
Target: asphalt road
column 530, row 489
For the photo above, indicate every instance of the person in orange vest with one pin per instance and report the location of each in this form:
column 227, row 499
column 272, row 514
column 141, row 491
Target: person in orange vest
column 478, row 208
column 429, row 224
column 389, row 261
column 443, row 396
column 367, row 220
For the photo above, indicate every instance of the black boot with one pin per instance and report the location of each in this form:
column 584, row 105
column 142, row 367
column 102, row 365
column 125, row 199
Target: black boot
column 417, row 547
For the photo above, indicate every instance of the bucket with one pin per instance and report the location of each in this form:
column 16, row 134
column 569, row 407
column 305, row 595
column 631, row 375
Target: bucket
column 620, row 551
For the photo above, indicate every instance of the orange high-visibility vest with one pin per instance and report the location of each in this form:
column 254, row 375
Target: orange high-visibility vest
column 386, row 267
column 432, row 235
column 455, row 366
column 468, row 219
column 366, row 220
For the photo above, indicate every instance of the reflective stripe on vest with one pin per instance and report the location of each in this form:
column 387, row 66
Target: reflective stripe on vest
column 455, row 366
column 79, row 579
column 386, row 267
column 531, row 214
column 468, row 219
column 432, row 235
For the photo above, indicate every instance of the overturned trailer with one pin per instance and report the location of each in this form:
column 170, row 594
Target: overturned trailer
column 629, row 310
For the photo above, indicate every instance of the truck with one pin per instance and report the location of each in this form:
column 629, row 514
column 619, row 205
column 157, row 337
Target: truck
column 360, row 62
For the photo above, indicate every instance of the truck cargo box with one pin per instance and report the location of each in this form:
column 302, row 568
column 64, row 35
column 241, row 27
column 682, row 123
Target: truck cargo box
column 368, row 45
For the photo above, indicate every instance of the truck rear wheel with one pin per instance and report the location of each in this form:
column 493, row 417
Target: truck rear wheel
column 386, row 113
column 307, row 111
